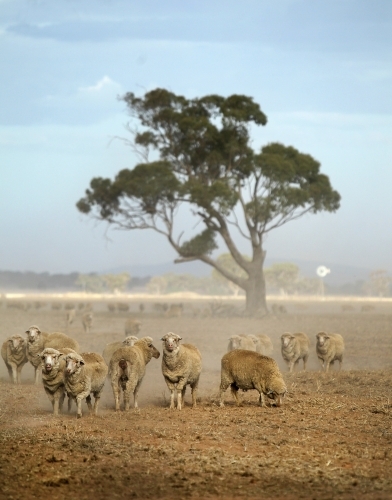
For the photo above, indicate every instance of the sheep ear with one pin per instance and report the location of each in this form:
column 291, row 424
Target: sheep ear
column 81, row 362
column 178, row 337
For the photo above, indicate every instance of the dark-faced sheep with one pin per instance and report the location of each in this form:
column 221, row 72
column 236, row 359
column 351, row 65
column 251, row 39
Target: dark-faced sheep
column 181, row 366
column 246, row 370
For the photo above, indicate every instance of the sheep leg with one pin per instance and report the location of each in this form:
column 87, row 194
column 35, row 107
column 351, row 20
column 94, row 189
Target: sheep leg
column 10, row 372
column 291, row 366
column 56, row 404
column 19, row 374
column 135, row 393
column 61, row 400
column 234, row 391
column 194, row 395
column 223, row 388
column 296, row 365
column 172, row 399
column 305, row 360
column 116, row 393
column 69, row 403
column 88, row 401
column 79, row 406
column 36, row 375
column 97, row 397
column 14, row 373
column 127, row 396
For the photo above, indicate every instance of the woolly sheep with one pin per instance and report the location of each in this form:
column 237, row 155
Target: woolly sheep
column 247, row 370
column 241, row 341
column 329, row 348
column 87, row 321
column 132, row 326
column 181, row 366
column 53, row 366
column 37, row 341
column 127, row 369
column 262, row 343
column 85, row 374
column 294, row 348
column 111, row 348
column 13, row 351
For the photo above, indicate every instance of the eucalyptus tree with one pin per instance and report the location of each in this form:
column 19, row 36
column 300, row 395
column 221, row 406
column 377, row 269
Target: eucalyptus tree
column 204, row 159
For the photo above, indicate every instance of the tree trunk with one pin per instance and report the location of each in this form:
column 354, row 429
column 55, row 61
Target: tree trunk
column 256, row 301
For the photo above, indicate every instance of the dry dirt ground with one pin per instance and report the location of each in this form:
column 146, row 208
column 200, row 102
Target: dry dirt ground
column 332, row 438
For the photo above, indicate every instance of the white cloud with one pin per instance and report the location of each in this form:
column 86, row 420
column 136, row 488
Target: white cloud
column 103, row 83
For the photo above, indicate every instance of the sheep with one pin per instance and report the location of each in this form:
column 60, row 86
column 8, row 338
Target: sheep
column 111, row 348
column 13, row 351
column 122, row 307
column 127, row 368
column 295, row 347
column 87, row 321
column 181, row 366
column 34, row 346
column 56, row 306
column 329, row 348
column 37, row 341
column 111, row 307
column 132, row 326
column 174, row 311
column 53, row 366
column 262, row 343
column 85, row 374
column 70, row 316
column 241, row 341
column 242, row 369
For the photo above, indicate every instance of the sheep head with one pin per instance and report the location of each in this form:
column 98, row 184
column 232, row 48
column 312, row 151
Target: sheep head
column 171, row 341
column 33, row 334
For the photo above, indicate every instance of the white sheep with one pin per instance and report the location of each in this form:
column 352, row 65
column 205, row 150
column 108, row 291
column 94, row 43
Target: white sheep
column 127, row 368
column 85, row 374
column 329, row 348
column 13, row 351
column 181, row 366
column 53, row 366
column 111, row 348
column 262, row 343
column 241, row 341
column 37, row 341
column 246, row 370
column 294, row 348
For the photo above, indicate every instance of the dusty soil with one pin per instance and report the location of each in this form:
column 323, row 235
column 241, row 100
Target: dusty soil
column 332, row 438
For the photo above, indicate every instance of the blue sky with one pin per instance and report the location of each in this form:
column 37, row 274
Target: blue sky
column 321, row 71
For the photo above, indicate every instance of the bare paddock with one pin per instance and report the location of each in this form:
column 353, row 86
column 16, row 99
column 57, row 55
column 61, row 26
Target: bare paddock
column 332, row 438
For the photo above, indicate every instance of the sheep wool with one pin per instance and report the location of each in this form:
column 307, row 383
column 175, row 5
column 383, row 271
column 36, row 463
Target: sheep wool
column 248, row 370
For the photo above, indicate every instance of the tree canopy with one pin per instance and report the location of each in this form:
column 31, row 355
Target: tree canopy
column 204, row 159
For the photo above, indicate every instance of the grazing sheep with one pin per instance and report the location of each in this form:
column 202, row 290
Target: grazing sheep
column 127, row 368
column 181, row 366
column 37, row 341
column 241, row 341
column 111, row 307
column 69, row 305
column 87, row 321
column 247, row 370
column 85, row 374
column 295, row 347
column 56, row 306
column 111, row 348
column 329, row 348
column 132, row 326
column 13, row 351
column 53, row 366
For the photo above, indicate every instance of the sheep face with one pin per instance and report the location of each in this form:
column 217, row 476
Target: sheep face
column 277, row 393
column 17, row 343
column 321, row 339
column 153, row 350
column 286, row 338
column 171, row 341
column 49, row 359
column 33, row 334
column 130, row 340
column 235, row 342
column 73, row 364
